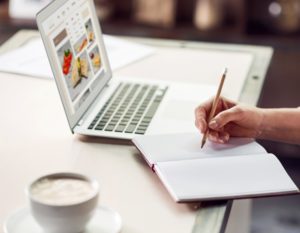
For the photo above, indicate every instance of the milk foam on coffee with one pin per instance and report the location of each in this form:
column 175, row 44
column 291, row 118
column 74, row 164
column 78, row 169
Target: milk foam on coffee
column 62, row 191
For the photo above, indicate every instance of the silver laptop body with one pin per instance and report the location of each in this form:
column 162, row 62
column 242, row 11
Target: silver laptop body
column 96, row 103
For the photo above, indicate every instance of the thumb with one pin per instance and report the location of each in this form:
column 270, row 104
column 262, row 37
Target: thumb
column 223, row 118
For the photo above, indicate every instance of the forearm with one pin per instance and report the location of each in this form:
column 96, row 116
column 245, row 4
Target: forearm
column 281, row 125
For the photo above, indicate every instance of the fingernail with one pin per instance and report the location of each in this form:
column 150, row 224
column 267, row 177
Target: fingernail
column 198, row 124
column 201, row 126
column 201, row 129
column 213, row 124
column 221, row 141
column 215, row 139
column 225, row 138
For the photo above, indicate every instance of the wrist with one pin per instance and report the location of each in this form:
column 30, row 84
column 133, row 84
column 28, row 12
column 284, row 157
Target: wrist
column 263, row 123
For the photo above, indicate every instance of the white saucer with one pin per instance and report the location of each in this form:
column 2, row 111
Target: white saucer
column 105, row 220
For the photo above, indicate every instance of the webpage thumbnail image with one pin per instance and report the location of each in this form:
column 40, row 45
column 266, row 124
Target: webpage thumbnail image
column 75, row 63
column 76, row 70
column 90, row 32
column 95, row 59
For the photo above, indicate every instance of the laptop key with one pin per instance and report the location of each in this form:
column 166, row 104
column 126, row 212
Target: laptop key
column 120, row 128
column 99, row 128
column 143, row 125
column 130, row 128
column 109, row 128
column 140, row 132
column 151, row 111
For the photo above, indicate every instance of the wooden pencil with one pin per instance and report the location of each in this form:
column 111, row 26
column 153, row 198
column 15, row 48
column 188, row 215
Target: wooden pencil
column 214, row 106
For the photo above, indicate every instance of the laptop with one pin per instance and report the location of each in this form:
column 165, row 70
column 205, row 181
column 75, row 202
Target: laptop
column 95, row 102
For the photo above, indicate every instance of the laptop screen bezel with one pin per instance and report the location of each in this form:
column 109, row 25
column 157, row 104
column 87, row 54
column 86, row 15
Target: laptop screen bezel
column 43, row 15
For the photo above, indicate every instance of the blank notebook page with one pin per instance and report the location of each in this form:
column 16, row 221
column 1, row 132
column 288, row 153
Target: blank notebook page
column 170, row 147
column 224, row 177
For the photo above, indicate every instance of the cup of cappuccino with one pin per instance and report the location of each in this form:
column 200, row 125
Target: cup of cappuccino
column 63, row 202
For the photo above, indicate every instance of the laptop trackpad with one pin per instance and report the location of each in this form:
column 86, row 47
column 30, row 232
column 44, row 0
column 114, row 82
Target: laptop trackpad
column 175, row 116
column 180, row 110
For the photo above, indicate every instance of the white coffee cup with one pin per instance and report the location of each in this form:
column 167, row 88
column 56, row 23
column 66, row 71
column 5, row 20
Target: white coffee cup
column 63, row 202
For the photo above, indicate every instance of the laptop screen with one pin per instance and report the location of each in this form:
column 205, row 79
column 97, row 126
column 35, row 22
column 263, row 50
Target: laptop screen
column 75, row 48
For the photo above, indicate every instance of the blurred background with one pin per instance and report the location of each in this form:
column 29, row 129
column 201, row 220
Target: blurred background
column 274, row 23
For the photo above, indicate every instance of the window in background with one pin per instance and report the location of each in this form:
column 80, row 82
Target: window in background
column 155, row 12
column 25, row 9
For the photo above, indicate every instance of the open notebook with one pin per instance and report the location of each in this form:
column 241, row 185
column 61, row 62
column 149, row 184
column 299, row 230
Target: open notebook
column 239, row 169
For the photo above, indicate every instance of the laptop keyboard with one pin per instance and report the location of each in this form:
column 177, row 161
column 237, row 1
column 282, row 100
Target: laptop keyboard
column 130, row 109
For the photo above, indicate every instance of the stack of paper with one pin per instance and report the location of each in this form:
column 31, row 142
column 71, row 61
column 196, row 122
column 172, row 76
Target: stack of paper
column 31, row 58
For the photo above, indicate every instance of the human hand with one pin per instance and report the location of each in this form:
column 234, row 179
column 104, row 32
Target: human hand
column 230, row 120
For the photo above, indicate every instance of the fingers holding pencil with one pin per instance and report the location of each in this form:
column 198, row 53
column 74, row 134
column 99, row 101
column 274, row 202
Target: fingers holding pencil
column 218, row 119
column 215, row 132
column 230, row 120
column 203, row 110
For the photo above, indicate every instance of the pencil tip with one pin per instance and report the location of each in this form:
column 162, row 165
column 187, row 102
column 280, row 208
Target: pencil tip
column 225, row 71
column 202, row 144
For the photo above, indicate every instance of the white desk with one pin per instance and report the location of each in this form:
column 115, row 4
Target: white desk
column 35, row 140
